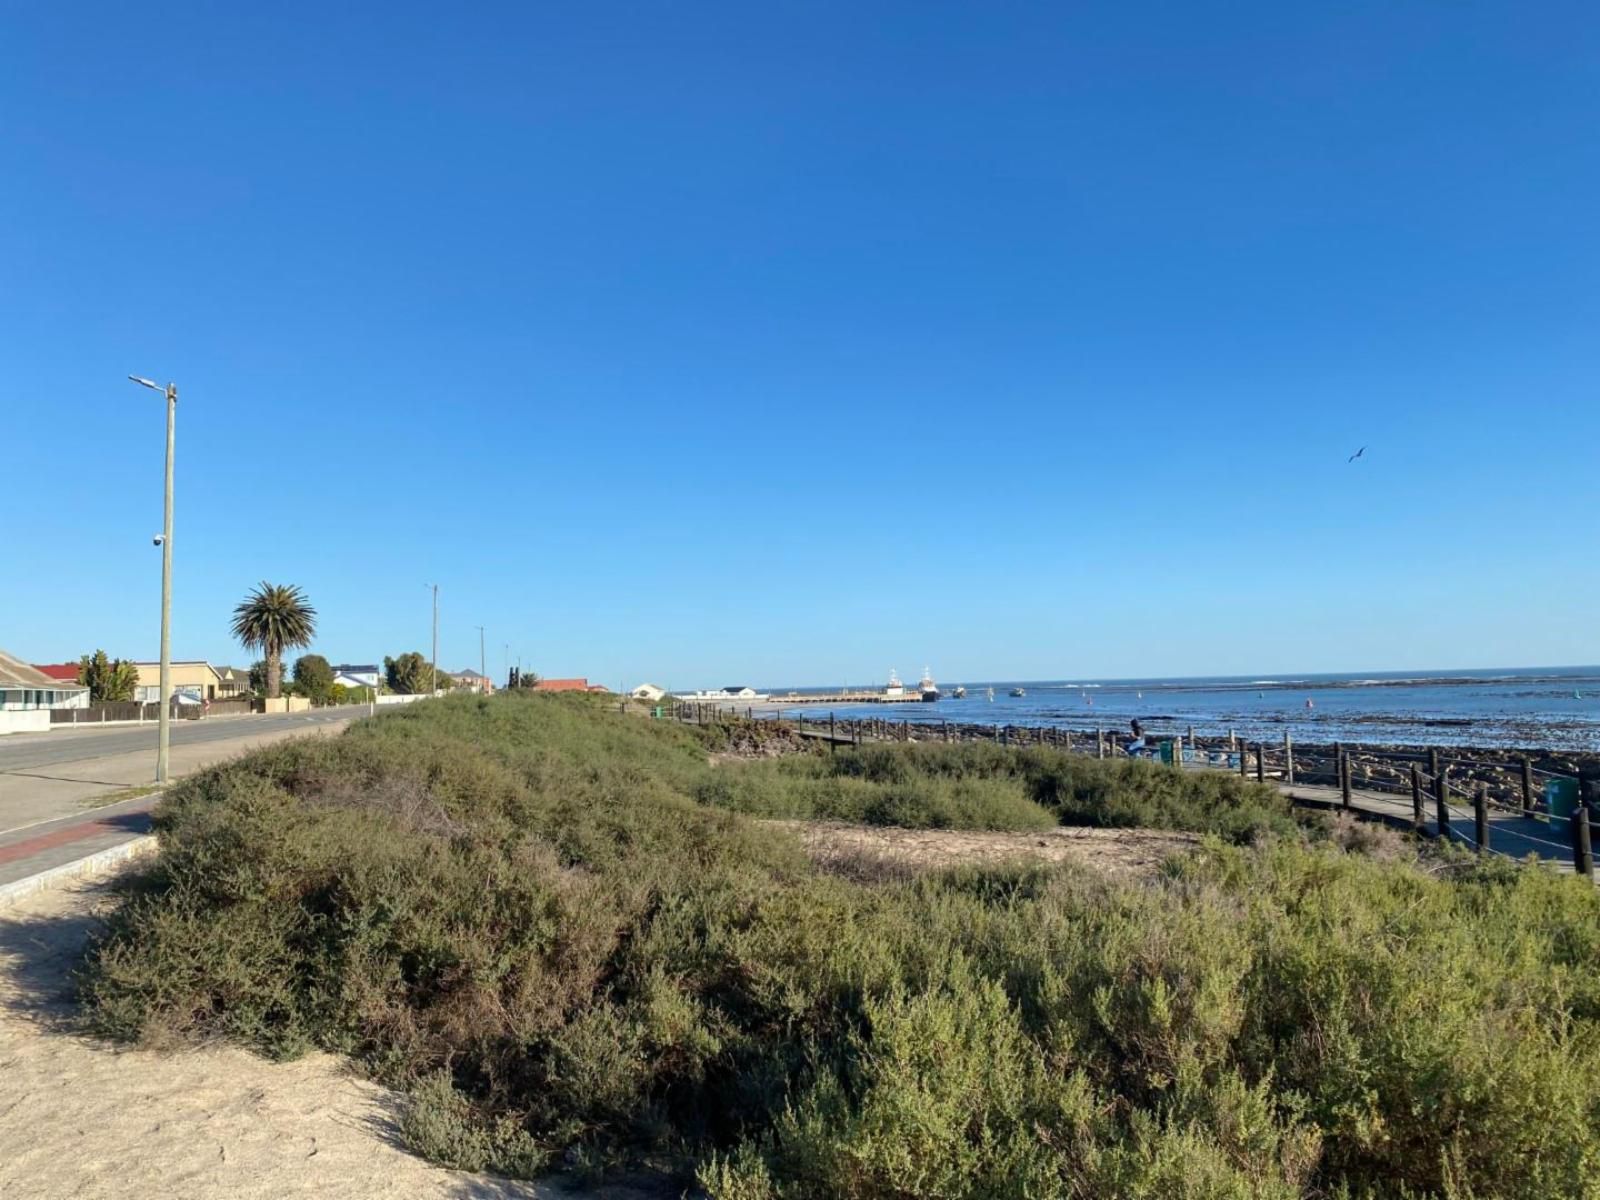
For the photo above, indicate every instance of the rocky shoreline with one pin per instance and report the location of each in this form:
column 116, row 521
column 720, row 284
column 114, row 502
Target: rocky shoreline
column 1381, row 765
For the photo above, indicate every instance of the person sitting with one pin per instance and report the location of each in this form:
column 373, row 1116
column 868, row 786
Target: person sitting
column 1137, row 748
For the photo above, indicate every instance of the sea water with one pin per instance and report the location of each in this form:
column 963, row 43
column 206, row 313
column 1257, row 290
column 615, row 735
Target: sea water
column 1558, row 708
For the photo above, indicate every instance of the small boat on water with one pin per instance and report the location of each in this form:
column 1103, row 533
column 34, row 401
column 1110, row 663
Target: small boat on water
column 928, row 689
column 959, row 694
column 991, row 695
column 1018, row 692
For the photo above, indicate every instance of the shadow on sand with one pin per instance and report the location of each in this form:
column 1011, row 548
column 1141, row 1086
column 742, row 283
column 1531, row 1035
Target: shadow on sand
column 38, row 954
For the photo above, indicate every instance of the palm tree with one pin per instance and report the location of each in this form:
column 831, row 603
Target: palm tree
column 272, row 619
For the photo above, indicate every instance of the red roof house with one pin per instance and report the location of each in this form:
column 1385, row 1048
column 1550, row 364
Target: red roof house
column 561, row 685
column 65, row 672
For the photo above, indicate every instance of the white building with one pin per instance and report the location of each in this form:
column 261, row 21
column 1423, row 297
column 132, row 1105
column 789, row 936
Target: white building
column 649, row 692
column 27, row 695
column 733, row 691
column 357, row 675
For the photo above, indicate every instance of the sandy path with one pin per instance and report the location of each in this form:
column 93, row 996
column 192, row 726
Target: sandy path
column 862, row 849
column 80, row 1119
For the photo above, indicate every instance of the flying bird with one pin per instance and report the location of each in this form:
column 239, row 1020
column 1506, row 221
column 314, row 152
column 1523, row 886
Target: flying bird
column 1355, row 456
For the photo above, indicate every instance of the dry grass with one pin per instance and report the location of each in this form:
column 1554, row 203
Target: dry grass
column 866, row 852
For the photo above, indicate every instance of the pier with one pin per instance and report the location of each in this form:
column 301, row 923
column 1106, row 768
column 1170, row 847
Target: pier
column 909, row 696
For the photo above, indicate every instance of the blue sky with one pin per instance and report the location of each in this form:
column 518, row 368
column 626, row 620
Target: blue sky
column 791, row 342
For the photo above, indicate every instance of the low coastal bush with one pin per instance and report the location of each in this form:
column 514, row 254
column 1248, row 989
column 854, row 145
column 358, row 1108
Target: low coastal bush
column 517, row 910
column 983, row 786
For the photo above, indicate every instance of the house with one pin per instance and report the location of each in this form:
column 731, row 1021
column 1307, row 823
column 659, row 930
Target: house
column 27, row 694
column 194, row 678
column 470, row 681
column 563, row 685
column 61, row 672
column 232, row 681
column 648, row 691
column 357, row 675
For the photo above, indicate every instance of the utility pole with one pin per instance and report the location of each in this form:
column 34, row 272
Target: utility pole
column 164, row 720
column 433, row 667
column 482, row 665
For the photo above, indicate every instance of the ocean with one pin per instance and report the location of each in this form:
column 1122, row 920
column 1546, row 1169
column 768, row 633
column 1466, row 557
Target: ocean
column 1554, row 708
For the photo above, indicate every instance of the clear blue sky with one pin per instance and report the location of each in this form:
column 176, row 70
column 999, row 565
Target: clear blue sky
column 786, row 343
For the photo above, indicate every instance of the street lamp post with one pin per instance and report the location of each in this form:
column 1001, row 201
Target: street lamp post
column 164, row 719
column 433, row 672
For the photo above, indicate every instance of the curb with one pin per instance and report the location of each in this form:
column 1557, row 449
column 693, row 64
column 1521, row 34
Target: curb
column 92, row 864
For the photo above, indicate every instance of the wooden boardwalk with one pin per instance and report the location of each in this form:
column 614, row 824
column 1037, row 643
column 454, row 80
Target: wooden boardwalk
column 1510, row 833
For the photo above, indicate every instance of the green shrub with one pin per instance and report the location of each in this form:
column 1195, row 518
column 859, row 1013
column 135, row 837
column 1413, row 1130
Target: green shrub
column 979, row 785
column 517, row 910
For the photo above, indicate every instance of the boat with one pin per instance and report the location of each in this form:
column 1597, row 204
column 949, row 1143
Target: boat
column 894, row 689
column 991, row 695
column 927, row 687
column 959, row 694
column 1018, row 692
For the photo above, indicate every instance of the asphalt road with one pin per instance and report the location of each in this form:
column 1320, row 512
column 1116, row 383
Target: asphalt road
column 23, row 752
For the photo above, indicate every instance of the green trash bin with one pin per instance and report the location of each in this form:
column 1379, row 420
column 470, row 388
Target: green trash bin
column 1169, row 754
column 1561, row 797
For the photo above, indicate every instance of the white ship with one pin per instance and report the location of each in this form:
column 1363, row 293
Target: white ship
column 928, row 688
column 894, row 689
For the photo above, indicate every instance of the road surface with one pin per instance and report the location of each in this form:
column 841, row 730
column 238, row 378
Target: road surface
column 44, row 776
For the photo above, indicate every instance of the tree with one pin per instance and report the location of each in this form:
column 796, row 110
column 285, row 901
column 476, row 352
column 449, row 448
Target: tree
column 258, row 677
column 407, row 674
column 107, row 679
column 521, row 679
column 314, row 677
column 272, row 619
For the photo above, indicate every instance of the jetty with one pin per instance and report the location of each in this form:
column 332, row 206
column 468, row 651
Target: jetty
column 868, row 696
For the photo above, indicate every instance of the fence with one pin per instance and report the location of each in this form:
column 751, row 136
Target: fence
column 121, row 710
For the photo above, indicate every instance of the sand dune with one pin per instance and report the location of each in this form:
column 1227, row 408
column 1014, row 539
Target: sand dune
column 81, row 1119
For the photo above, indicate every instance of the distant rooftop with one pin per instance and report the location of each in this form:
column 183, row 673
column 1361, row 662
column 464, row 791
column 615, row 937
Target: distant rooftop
column 14, row 673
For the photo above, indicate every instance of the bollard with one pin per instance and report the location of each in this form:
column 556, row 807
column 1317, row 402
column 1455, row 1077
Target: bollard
column 1338, row 771
column 1261, row 762
column 1582, row 856
column 1480, row 815
column 944, row 727
column 1233, row 740
column 1344, row 778
column 1191, row 735
column 1441, row 801
column 1099, row 743
column 1288, row 758
column 1433, row 762
column 1066, row 743
column 1244, row 760
column 1527, row 786
column 1419, row 818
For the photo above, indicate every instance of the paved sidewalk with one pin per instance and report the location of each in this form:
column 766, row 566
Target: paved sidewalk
column 50, row 844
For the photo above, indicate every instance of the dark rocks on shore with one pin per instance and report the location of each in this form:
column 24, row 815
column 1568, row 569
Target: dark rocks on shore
column 1386, row 766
